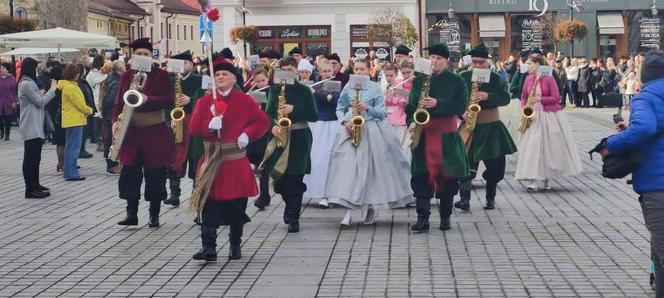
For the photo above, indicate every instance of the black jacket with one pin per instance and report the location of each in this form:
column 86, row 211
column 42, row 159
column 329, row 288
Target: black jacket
column 111, row 85
column 88, row 95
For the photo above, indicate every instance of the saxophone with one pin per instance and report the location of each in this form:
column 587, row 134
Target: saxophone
column 420, row 117
column 473, row 106
column 133, row 99
column 357, row 121
column 282, row 120
column 177, row 114
column 528, row 111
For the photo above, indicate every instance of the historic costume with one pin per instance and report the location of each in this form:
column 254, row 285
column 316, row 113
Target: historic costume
column 255, row 152
column 324, row 132
column 224, row 178
column 395, row 100
column 373, row 173
column 288, row 165
column 339, row 76
column 189, row 84
column 439, row 159
column 489, row 141
column 547, row 149
column 148, row 147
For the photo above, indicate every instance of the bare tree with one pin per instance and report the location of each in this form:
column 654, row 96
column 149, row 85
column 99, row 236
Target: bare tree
column 70, row 14
column 390, row 26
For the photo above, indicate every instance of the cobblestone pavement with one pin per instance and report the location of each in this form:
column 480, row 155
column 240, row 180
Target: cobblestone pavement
column 585, row 238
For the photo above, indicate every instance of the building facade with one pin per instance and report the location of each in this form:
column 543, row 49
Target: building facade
column 615, row 27
column 315, row 26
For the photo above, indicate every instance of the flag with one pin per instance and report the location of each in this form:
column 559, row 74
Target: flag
column 573, row 4
column 246, row 10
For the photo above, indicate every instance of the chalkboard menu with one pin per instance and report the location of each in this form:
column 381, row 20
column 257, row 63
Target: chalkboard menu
column 455, row 32
column 649, row 36
column 315, row 49
column 449, row 34
column 643, row 34
column 527, row 32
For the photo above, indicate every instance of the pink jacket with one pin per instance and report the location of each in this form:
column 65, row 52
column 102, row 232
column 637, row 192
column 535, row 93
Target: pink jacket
column 550, row 95
column 395, row 104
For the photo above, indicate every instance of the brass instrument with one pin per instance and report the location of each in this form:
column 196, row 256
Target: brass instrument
column 357, row 121
column 420, row 117
column 178, row 114
column 282, row 120
column 528, row 111
column 133, row 98
column 473, row 106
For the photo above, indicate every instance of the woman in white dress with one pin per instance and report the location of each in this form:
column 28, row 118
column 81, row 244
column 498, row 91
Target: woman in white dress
column 376, row 172
column 324, row 131
column 546, row 149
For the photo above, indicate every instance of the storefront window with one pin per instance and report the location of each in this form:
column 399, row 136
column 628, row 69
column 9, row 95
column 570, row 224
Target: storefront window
column 530, row 31
column 644, row 31
column 455, row 32
column 361, row 46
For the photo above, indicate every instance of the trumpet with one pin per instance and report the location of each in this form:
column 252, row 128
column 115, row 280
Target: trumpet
column 282, row 120
column 178, row 113
column 357, row 121
column 421, row 116
column 133, row 99
column 473, row 107
column 528, row 111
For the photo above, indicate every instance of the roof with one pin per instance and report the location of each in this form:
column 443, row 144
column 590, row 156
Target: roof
column 116, row 8
column 178, row 6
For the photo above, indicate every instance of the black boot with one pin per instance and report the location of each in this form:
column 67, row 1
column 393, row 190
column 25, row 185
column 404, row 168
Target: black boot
column 132, row 214
column 490, row 195
column 155, row 208
column 295, row 209
column 445, row 223
column 423, row 208
column 235, row 239
column 209, row 240
column 263, row 199
column 174, row 199
column 464, row 202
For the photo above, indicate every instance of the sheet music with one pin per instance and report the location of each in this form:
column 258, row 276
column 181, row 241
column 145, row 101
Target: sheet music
column 141, row 63
column 423, row 65
column 283, row 76
column 360, row 82
column 481, row 75
column 175, row 65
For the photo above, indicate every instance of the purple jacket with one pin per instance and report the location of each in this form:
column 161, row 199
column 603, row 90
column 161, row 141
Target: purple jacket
column 8, row 95
column 550, row 95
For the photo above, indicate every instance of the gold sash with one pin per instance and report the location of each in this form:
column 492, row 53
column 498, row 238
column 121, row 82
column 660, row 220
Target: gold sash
column 282, row 163
column 484, row 116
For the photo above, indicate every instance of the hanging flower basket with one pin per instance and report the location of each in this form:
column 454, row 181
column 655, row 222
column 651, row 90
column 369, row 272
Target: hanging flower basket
column 568, row 31
column 243, row 33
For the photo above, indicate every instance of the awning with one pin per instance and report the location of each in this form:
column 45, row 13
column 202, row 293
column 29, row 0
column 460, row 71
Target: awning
column 610, row 23
column 492, row 26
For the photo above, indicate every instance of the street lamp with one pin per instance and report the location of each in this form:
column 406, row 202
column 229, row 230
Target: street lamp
column 450, row 12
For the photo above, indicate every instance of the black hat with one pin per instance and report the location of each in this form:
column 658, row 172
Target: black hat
column 653, row 67
column 227, row 53
column 274, row 54
column 295, row 50
column 264, row 54
column 479, row 51
column 439, row 49
column 184, row 56
column 6, row 65
column 403, row 50
column 141, row 43
column 334, row 56
column 536, row 51
column 524, row 53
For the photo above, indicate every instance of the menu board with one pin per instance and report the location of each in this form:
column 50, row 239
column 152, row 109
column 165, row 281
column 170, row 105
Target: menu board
column 531, row 33
column 449, row 33
column 649, row 36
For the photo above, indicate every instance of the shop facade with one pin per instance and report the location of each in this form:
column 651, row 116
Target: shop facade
column 615, row 27
column 318, row 27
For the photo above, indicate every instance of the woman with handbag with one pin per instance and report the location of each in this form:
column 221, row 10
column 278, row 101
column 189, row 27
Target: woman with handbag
column 644, row 135
column 31, row 126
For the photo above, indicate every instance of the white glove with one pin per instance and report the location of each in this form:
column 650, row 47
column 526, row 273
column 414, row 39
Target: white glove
column 243, row 141
column 215, row 123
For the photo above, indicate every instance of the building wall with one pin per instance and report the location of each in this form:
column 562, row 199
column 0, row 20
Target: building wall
column 184, row 35
column 99, row 24
column 339, row 15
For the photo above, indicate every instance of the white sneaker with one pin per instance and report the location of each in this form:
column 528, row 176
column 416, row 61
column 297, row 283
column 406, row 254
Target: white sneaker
column 532, row 187
column 371, row 216
column 547, row 186
column 345, row 223
column 323, row 204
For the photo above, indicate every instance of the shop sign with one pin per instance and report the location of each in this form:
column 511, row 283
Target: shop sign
column 317, row 32
column 265, row 33
column 650, row 32
column 358, row 31
column 534, row 5
column 449, row 33
column 361, row 53
column 290, row 32
column 382, row 53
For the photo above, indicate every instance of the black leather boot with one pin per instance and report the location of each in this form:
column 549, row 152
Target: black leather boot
column 490, row 195
column 423, row 208
column 264, row 198
column 464, row 202
column 235, row 239
column 295, row 209
column 155, row 208
column 132, row 214
column 174, row 199
column 445, row 223
column 209, row 241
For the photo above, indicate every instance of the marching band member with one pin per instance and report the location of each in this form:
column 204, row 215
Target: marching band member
column 336, row 65
column 148, row 147
column 489, row 141
column 256, row 150
column 189, row 84
column 324, row 132
column 439, row 159
column 224, row 179
column 395, row 100
column 304, row 70
column 374, row 172
column 288, row 165
column 546, row 149
column 228, row 55
column 401, row 54
column 296, row 53
column 268, row 57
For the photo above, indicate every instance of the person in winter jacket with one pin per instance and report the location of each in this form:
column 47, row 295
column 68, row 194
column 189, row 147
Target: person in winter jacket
column 74, row 117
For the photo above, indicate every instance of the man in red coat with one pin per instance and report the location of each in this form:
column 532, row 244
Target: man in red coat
column 224, row 179
column 148, row 148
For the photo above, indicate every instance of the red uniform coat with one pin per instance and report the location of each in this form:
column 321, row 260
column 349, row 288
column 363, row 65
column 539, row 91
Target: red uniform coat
column 153, row 145
column 234, row 179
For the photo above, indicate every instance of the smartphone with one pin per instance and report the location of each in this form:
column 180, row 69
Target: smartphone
column 617, row 118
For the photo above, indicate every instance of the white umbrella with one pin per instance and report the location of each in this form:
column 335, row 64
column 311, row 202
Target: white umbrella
column 32, row 51
column 57, row 38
